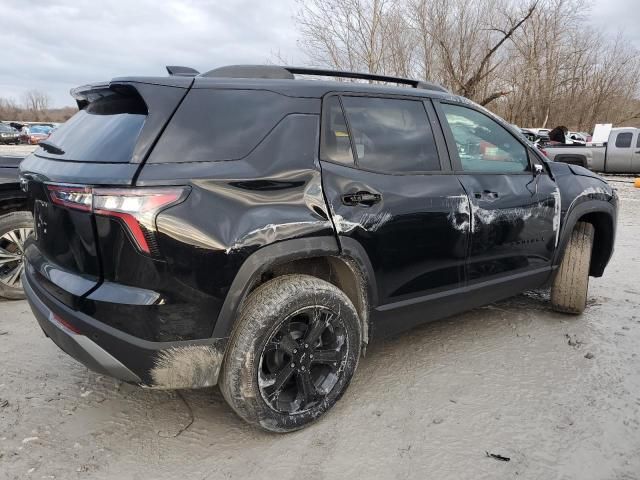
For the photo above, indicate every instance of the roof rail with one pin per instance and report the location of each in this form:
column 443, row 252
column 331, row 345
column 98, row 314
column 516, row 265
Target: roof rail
column 282, row 72
column 251, row 71
column 365, row 76
column 178, row 71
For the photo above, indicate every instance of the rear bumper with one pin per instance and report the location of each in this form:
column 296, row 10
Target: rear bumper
column 164, row 365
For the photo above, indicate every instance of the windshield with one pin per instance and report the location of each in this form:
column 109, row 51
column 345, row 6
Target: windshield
column 6, row 128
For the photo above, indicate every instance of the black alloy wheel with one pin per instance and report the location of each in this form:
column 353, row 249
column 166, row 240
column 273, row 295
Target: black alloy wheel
column 303, row 360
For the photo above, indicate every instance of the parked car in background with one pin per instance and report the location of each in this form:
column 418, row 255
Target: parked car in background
column 620, row 154
column 253, row 229
column 578, row 138
column 8, row 135
column 34, row 134
column 16, row 224
column 535, row 136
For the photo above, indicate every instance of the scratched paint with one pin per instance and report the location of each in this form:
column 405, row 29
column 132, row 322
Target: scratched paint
column 370, row 222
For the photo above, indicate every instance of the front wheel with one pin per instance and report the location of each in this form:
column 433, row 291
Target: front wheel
column 570, row 285
column 292, row 354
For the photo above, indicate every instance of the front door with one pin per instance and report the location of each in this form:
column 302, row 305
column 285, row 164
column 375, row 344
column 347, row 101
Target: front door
column 515, row 207
column 392, row 194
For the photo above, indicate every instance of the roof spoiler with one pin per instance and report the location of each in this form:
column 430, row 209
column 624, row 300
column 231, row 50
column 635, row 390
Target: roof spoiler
column 85, row 94
column 176, row 70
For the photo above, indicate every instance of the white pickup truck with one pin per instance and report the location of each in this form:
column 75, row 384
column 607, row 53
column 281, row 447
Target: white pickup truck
column 620, row 154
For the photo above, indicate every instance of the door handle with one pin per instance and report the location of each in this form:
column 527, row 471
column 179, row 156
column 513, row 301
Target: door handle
column 365, row 199
column 486, row 195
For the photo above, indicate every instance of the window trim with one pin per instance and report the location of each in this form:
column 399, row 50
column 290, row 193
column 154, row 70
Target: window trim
column 445, row 167
column 456, row 162
column 325, row 101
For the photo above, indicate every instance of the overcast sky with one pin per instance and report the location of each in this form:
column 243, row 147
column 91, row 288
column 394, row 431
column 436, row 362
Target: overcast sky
column 54, row 45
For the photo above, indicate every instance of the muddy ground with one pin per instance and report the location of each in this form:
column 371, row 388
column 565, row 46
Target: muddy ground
column 558, row 395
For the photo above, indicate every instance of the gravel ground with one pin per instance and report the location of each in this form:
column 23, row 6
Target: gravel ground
column 558, row 395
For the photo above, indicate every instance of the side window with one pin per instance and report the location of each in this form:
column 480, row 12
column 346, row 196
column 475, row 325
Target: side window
column 638, row 142
column 483, row 144
column 623, row 140
column 391, row 135
column 335, row 145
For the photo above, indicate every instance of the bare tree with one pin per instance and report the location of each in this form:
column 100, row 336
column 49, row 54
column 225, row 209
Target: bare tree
column 536, row 63
column 36, row 102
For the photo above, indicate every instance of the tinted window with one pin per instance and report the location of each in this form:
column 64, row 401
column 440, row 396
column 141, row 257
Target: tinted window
column 638, row 142
column 623, row 140
column 391, row 135
column 105, row 131
column 335, row 146
column 483, row 144
column 215, row 125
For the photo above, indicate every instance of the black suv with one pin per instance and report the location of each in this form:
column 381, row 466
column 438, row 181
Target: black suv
column 247, row 228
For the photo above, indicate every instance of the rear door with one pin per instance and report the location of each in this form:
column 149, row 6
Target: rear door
column 620, row 151
column 515, row 211
column 392, row 195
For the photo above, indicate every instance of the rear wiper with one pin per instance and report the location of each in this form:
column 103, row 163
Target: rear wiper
column 51, row 148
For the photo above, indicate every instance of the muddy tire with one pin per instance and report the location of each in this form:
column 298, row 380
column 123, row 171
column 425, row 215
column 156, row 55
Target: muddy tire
column 569, row 288
column 293, row 351
column 14, row 228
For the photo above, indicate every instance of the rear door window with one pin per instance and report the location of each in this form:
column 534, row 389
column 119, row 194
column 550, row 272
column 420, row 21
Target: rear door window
column 483, row 144
column 106, row 131
column 623, row 140
column 391, row 135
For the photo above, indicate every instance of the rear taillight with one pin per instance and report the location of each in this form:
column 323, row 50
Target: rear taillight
column 135, row 208
column 72, row 197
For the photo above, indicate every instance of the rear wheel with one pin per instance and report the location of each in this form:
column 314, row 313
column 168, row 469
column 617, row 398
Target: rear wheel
column 292, row 354
column 569, row 288
column 15, row 227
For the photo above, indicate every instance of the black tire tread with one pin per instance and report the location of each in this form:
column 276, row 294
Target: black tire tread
column 236, row 377
column 571, row 283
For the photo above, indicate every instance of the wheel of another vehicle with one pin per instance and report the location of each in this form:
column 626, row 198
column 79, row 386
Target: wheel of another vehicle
column 569, row 288
column 292, row 354
column 15, row 227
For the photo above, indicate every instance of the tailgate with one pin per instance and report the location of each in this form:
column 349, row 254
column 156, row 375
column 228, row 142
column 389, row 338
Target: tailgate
column 104, row 144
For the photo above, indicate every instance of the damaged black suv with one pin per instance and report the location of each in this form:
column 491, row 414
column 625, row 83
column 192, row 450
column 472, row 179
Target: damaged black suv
column 251, row 229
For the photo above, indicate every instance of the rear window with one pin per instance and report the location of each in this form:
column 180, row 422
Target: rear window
column 106, row 131
column 623, row 140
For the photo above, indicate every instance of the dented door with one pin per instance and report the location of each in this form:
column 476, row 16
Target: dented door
column 514, row 226
column 413, row 226
column 415, row 236
column 515, row 208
